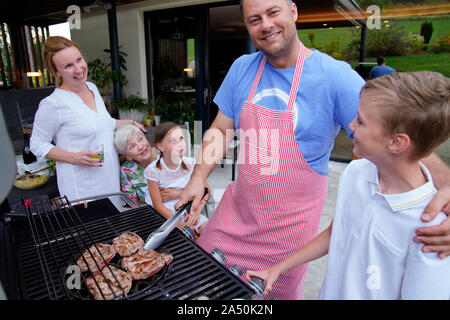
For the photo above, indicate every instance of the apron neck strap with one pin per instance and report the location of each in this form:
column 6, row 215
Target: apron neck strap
column 295, row 81
column 257, row 78
column 297, row 76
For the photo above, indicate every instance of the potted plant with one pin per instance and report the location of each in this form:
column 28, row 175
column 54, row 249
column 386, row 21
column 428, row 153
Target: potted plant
column 99, row 71
column 132, row 107
column 160, row 109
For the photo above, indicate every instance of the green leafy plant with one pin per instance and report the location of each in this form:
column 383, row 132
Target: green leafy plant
column 331, row 48
column 179, row 112
column 122, row 55
column 99, row 71
column 426, row 31
column 442, row 44
column 388, row 41
column 131, row 102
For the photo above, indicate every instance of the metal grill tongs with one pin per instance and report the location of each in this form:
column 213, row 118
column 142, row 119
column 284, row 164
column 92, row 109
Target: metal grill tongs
column 157, row 237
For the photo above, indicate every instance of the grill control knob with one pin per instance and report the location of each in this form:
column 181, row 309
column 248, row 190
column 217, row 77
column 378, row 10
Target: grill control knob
column 236, row 270
column 188, row 232
column 257, row 285
column 219, row 256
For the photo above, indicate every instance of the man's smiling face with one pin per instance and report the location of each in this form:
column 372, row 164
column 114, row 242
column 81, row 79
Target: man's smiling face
column 271, row 25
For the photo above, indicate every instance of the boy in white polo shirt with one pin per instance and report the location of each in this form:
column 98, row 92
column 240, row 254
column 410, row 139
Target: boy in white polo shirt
column 401, row 118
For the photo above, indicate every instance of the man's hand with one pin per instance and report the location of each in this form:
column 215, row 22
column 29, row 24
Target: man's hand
column 436, row 238
column 194, row 192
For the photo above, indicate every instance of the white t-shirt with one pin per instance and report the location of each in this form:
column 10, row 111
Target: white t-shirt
column 166, row 178
column 64, row 118
column 372, row 254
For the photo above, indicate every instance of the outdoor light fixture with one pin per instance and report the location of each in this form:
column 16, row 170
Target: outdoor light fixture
column 97, row 6
column 34, row 74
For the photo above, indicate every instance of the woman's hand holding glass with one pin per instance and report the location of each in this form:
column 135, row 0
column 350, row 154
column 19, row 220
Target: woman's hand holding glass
column 87, row 158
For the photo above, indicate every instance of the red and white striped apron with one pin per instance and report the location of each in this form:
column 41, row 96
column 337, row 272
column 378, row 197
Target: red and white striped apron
column 273, row 208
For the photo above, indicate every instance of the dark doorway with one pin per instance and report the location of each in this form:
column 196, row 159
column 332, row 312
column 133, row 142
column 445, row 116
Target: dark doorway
column 189, row 52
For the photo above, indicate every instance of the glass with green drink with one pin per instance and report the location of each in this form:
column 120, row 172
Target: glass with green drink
column 100, row 153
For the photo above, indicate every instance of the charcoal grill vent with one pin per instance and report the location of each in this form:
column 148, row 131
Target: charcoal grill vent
column 54, row 237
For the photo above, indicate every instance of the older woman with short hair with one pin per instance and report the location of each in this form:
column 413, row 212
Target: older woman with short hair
column 132, row 143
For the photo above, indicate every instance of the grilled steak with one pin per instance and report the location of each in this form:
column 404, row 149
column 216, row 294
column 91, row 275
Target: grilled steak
column 101, row 252
column 167, row 258
column 127, row 243
column 107, row 281
column 143, row 264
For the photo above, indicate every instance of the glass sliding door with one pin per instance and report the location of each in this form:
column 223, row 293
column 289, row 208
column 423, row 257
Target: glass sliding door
column 189, row 51
column 172, row 56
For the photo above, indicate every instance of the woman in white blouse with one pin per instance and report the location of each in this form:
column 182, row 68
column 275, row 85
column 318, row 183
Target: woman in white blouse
column 74, row 116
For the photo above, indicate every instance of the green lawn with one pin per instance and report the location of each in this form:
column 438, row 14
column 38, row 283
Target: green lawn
column 441, row 26
column 433, row 62
column 325, row 35
column 426, row 61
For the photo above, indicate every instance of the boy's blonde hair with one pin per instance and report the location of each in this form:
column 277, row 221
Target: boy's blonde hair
column 414, row 103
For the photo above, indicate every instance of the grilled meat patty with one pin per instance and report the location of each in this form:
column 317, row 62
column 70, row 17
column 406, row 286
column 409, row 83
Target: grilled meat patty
column 167, row 257
column 102, row 253
column 120, row 283
column 127, row 243
column 144, row 264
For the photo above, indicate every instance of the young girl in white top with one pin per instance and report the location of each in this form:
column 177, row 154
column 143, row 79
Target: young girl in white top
column 168, row 175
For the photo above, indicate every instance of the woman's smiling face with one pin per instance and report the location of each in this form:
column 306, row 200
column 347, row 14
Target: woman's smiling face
column 138, row 148
column 70, row 67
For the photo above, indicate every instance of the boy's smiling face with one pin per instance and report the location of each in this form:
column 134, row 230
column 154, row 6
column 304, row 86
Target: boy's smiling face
column 370, row 139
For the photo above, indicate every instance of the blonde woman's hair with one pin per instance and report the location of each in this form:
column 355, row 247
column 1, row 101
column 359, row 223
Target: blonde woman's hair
column 414, row 103
column 51, row 47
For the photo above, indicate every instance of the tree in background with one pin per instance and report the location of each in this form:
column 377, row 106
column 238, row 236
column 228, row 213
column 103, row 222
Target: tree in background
column 426, row 31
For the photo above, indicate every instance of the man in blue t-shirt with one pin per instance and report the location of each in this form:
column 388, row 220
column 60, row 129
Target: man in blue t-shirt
column 327, row 99
column 381, row 69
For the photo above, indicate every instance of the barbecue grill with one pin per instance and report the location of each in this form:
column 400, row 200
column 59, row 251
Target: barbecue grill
column 39, row 251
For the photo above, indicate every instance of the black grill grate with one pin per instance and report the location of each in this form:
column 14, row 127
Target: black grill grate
column 55, row 237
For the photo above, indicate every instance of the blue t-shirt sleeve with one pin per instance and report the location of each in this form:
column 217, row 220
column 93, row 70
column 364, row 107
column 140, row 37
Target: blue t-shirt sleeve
column 225, row 95
column 347, row 96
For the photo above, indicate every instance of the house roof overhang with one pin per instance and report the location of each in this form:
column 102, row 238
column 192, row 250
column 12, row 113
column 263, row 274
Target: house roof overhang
column 312, row 13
